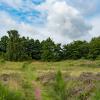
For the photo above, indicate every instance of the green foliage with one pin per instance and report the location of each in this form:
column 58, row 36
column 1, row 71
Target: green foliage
column 98, row 57
column 16, row 48
column 25, row 65
column 3, row 43
column 13, row 46
column 94, row 48
column 7, row 94
column 34, row 49
column 50, row 51
column 96, row 93
column 47, row 50
column 2, row 61
column 59, row 88
column 76, row 50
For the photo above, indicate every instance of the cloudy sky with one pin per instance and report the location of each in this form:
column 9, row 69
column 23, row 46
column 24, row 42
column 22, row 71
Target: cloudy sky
column 62, row 20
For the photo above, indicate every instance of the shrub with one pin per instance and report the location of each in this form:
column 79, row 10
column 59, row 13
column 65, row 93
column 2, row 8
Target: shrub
column 59, row 88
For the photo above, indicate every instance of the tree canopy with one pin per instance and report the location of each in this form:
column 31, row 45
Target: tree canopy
column 16, row 48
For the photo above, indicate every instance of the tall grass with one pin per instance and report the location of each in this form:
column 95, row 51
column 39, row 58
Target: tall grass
column 25, row 65
column 59, row 88
column 2, row 61
column 96, row 95
column 7, row 94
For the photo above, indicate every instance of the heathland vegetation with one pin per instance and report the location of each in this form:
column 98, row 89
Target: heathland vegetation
column 63, row 80
column 44, row 70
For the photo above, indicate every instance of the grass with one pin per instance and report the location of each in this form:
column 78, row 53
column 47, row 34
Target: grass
column 8, row 94
column 21, row 75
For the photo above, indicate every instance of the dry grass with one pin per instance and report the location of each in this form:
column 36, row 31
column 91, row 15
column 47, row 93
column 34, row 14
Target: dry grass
column 22, row 74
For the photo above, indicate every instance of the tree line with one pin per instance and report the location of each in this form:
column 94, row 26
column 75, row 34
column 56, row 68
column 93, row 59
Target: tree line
column 16, row 48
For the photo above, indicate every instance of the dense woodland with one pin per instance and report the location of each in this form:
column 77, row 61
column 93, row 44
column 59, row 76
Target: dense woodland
column 16, row 48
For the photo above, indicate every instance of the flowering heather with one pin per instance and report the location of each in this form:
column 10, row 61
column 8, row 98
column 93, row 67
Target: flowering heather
column 37, row 91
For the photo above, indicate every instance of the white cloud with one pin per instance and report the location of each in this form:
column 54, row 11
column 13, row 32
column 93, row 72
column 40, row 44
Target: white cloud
column 13, row 3
column 8, row 23
column 85, row 6
column 96, row 26
column 63, row 22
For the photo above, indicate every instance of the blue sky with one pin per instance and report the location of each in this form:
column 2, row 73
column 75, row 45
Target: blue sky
column 62, row 20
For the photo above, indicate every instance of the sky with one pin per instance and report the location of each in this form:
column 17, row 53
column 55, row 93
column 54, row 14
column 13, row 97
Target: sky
column 62, row 20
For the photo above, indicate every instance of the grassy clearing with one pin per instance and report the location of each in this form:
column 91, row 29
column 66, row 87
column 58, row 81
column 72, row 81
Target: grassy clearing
column 21, row 76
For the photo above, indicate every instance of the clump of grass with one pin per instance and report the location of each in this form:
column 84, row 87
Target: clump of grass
column 89, row 65
column 98, row 57
column 25, row 65
column 96, row 93
column 7, row 94
column 2, row 61
column 28, row 90
column 59, row 88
